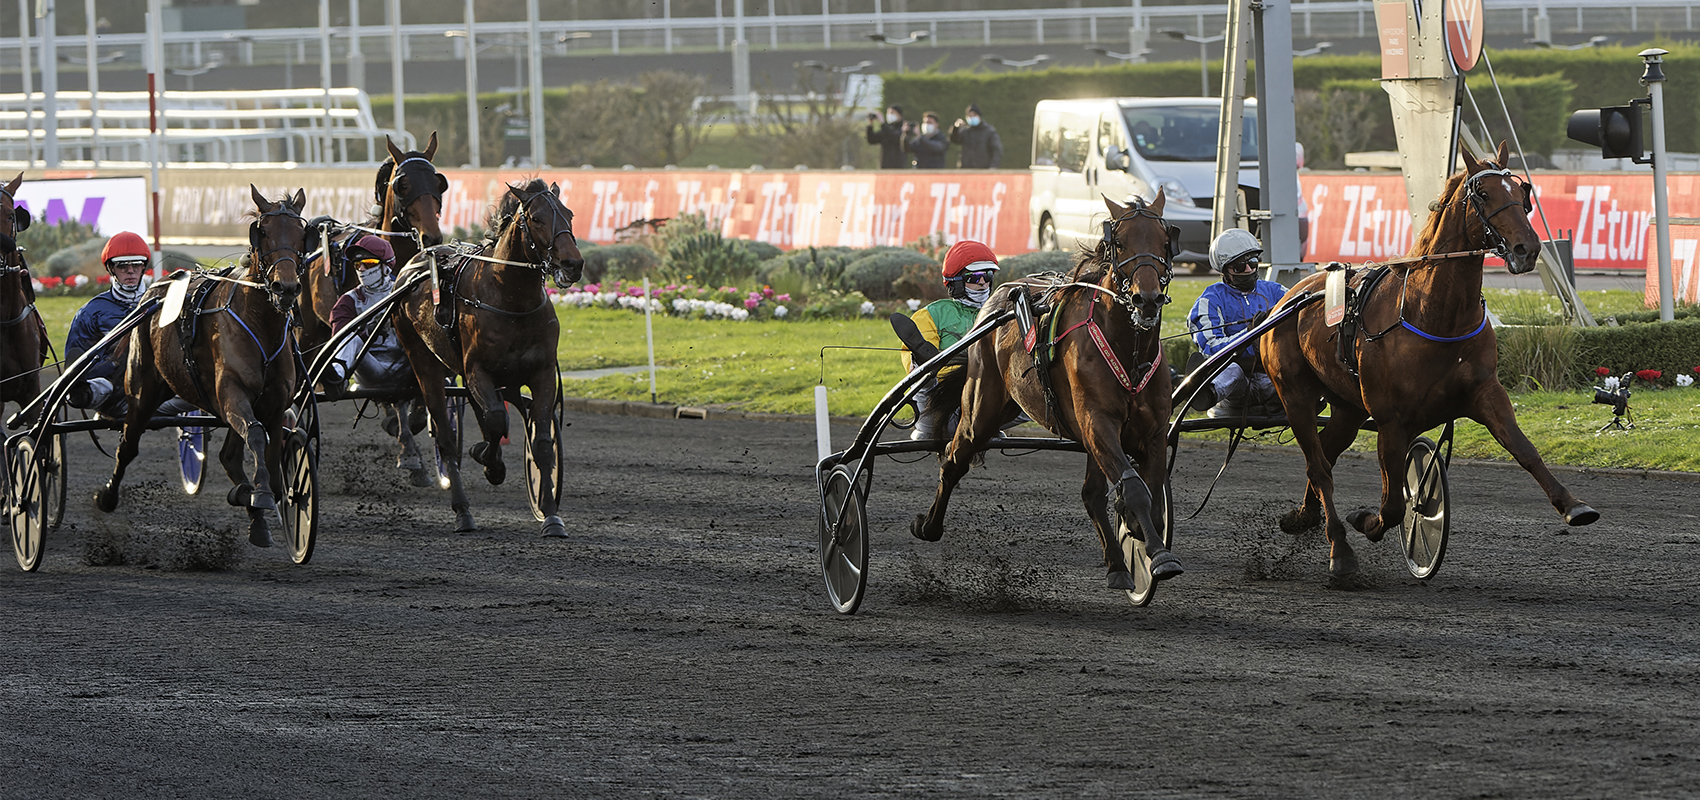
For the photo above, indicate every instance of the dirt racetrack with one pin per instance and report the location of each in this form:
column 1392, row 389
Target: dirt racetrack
column 680, row 644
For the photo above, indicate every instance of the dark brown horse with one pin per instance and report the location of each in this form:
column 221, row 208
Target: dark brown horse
column 503, row 336
column 239, row 365
column 23, row 339
column 1109, row 378
column 1426, row 357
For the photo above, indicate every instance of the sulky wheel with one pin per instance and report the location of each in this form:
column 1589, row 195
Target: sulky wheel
column 192, row 454
column 1427, row 507
column 1134, row 555
column 299, row 506
column 534, row 479
column 456, row 406
column 26, row 501
column 843, row 540
column 53, row 474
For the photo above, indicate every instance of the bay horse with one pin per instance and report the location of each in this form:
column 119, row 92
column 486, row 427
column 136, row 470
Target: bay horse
column 407, row 212
column 1110, row 308
column 1426, row 357
column 238, row 364
column 23, row 336
column 503, row 336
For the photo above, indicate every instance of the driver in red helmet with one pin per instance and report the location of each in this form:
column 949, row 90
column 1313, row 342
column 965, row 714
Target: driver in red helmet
column 126, row 257
column 967, row 273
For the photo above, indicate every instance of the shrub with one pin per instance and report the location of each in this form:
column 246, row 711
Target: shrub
column 761, row 250
column 807, row 270
column 79, row 259
column 702, row 256
column 1673, row 347
column 618, row 261
column 1020, row 266
column 1536, row 356
column 41, row 241
column 921, row 281
column 877, row 274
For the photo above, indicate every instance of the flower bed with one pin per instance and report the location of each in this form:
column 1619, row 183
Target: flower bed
column 701, row 302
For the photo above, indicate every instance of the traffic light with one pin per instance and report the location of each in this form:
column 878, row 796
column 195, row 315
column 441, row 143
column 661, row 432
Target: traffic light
column 1615, row 130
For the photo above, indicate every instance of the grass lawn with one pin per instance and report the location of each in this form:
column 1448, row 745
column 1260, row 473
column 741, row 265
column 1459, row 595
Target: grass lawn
column 774, row 367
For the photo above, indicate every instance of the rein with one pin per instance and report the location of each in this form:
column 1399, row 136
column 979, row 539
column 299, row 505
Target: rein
column 541, row 265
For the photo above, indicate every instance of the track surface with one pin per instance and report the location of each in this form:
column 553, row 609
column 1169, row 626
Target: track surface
column 679, row 644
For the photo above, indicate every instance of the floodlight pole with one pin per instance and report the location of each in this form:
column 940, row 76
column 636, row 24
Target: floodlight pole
column 28, row 69
column 94, row 84
column 740, row 60
column 394, row 9
column 47, row 26
column 155, row 63
column 356, row 58
column 1654, row 79
column 471, row 89
column 536, row 49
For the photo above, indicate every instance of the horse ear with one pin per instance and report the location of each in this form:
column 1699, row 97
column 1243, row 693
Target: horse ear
column 12, row 187
column 1157, row 205
column 1470, row 162
column 556, row 188
column 1115, row 210
column 442, row 183
column 395, row 154
column 259, row 199
column 1504, row 155
column 300, row 199
column 431, row 146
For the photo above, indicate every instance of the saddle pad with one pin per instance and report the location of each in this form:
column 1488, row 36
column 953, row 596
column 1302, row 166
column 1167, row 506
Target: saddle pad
column 172, row 307
column 1334, row 299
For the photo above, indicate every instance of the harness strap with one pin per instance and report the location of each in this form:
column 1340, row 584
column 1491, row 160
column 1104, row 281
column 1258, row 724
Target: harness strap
column 23, row 315
column 1433, row 338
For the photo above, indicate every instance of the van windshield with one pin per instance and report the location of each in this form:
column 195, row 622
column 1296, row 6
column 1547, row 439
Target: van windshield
column 1184, row 133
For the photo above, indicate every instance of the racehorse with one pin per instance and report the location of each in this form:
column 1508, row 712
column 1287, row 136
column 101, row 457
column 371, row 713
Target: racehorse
column 23, row 338
column 231, row 357
column 503, row 335
column 408, row 207
column 1108, row 309
column 1426, row 356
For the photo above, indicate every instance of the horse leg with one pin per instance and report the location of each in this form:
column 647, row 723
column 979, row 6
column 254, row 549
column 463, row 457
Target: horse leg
column 492, row 422
column 1095, row 493
column 1297, row 398
column 1392, row 440
column 1493, row 410
column 231, row 457
column 435, row 398
column 1102, row 439
column 1154, row 473
column 984, row 409
column 1341, row 430
column 151, row 392
column 544, row 448
column 410, row 459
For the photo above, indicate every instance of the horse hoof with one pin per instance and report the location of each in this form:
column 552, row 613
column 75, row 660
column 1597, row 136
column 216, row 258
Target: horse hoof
column 496, row 473
column 463, row 521
column 240, row 495
column 106, row 499
column 1343, row 566
column 919, row 529
column 1298, row 520
column 1581, row 515
column 262, row 501
column 1359, row 520
column 392, row 425
column 421, row 477
column 1121, row 580
column 1165, row 565
column 409, row 462
column 259, row 534
column 554, row 528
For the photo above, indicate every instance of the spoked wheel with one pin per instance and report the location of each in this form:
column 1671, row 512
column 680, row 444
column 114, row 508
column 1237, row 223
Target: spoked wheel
column 843, row 540
column 53, row 474
column 457, row 410
column 534, row 478
column 26, row 502
column 1427, row 507
column 192, row 454
column 299, row 506
column 1136, row 557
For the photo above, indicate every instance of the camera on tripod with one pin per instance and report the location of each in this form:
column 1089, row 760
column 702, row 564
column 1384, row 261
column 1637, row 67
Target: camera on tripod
column 1615, row 393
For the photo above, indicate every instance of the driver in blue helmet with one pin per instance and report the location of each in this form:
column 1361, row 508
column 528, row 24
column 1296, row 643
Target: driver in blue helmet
column 1223, row 312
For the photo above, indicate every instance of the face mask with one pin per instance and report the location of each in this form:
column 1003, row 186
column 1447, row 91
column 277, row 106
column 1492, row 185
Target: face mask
column 1243, row 282
column 977, row 296
column 892, row 118
column 929, row 128
column 375, row 278
column 973, row 120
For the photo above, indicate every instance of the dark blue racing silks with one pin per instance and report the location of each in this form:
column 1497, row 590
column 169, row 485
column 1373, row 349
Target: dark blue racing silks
column 1224, row 312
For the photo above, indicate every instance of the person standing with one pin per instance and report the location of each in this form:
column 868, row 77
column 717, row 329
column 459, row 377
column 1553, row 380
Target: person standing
column 928, row 144
column 889, row 136
column 981, row 147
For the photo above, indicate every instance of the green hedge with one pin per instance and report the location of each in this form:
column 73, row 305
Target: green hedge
column 1539, row 106
column 1670, row 347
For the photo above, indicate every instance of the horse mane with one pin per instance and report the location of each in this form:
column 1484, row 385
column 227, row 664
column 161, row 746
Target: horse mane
column 1438, row 236
column 503, row 211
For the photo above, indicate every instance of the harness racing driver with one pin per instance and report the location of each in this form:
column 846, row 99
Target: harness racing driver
column 126, row 258
column 967, row 274
column 1224, row 311
column 385, row 365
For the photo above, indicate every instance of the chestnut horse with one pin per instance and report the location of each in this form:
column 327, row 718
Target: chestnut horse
column 23, row 339
column 1426, row 357
column 503, row 336
column 1109, row 378
column 239, row 366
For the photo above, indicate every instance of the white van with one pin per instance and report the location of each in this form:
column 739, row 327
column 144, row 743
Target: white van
column 1125, row 147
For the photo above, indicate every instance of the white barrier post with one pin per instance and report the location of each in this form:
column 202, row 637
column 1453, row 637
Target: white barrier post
column 823, row 427
column 649, row 333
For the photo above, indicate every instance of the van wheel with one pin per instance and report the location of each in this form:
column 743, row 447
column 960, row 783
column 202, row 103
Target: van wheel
column 1048, row 235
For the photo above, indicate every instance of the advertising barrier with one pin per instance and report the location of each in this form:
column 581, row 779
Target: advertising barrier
column 109, row 205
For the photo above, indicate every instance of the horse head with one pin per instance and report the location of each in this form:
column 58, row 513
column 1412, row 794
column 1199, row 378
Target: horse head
column 278, row 240
column 14, row 219
column 546, row 225
column 411, row 193
column 1137, row 249
column 1491, row 189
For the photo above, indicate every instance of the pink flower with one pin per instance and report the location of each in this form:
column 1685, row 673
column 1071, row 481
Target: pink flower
column 786, row 298
column 767, row 291
column 593, row 288
column 752, row 302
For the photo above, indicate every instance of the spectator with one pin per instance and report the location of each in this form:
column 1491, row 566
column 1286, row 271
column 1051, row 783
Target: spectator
column 928, row 144
column 889, row 136
column 981, row 147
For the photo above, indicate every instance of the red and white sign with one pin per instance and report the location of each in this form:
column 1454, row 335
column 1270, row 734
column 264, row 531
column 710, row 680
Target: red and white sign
column 1463, row 32
column 1684, row 266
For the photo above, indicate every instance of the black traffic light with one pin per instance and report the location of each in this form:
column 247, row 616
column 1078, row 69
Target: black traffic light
column 1615, row 130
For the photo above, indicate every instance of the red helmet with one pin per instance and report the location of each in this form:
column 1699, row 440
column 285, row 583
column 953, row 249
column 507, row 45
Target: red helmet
column 967, row 256
column 124, row 245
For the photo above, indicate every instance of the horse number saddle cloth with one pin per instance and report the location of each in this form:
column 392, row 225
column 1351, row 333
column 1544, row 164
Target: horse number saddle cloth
column 1344, row 307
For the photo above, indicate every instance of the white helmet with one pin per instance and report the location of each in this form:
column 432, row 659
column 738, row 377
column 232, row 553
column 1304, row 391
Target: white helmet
column 1233, row 245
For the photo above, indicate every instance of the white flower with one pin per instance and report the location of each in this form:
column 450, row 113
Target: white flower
column 81, row 280
column 740, row 314
column 867, row 308
column 1685, row 380
column 914, row 305
column 1611, row 383
column 781, row 311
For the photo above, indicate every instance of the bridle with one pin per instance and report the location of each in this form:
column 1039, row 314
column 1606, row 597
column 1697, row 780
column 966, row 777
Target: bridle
column 10, row 263
column 1124, row 282
column 1477, row 198
column 398, row 215
column 262, row 261
column 538, row 253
